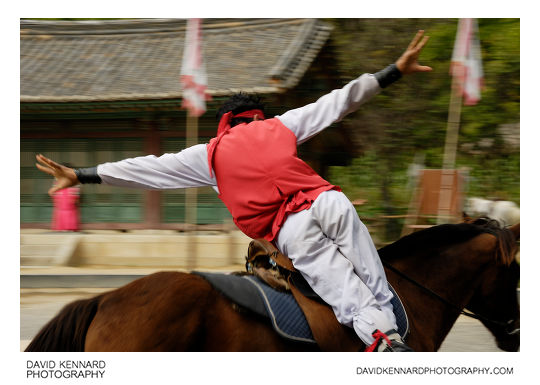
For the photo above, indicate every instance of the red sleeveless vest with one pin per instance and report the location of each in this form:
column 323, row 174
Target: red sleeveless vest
column 260, row 178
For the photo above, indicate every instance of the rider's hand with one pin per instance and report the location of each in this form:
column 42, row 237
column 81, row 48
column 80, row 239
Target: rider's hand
column 65, row 176
column 408, row 62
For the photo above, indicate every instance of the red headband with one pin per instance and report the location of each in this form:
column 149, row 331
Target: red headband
column 224, row 126
column 225, row 121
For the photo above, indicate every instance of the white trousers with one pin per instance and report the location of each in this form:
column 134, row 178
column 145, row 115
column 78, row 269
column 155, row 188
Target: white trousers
column 333, row 250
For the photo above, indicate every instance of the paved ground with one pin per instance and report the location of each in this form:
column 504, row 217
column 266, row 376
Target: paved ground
column 40, row 305
column 469, row 335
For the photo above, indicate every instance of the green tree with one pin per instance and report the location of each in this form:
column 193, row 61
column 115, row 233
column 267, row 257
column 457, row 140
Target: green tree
column 410, row 117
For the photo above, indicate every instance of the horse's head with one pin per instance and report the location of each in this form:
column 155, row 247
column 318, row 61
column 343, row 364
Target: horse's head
column 496, row 299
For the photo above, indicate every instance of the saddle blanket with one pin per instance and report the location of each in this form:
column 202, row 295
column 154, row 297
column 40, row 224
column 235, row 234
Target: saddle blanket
column 281, row 308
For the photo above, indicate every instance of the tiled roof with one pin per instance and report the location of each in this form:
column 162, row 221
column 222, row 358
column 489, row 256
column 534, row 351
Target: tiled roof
column 141, row 59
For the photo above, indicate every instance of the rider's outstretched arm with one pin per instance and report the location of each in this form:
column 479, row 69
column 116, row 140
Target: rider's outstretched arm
column 188, row 168
column 307, row 121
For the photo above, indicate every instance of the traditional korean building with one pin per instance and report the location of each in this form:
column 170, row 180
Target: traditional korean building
column 99, row 91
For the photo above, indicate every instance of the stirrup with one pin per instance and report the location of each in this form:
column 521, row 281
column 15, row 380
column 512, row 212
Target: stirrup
column 387, row 342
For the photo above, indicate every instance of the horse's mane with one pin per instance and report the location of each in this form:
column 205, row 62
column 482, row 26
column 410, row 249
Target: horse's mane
column 441, row 236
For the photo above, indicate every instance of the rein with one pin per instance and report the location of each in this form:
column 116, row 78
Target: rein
column 448, row 303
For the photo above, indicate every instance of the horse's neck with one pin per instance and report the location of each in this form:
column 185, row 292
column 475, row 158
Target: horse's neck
column 451, row 274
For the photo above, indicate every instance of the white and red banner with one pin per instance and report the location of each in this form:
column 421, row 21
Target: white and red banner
column 466, row 63
column 193, row 74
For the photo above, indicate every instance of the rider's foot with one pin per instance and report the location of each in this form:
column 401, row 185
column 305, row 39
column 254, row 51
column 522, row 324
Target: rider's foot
column 388, row 342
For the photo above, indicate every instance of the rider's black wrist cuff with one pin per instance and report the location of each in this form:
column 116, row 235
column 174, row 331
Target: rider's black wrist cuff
column 88, row 175
column 388, row 75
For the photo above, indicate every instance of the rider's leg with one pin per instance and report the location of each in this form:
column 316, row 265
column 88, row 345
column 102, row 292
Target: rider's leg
column 340, row 266
column 340, row 222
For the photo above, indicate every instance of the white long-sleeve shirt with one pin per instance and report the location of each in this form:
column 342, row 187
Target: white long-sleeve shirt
column 189, row 167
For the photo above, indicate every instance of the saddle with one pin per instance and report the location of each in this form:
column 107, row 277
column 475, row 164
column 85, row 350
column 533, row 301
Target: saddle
column 271, row 287
column 267, row 263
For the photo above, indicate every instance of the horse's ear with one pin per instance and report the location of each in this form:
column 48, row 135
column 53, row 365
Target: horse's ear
column 515, row 230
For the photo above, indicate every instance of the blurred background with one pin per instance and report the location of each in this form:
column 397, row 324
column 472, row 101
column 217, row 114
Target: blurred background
column 94, row 91
column 101, row 90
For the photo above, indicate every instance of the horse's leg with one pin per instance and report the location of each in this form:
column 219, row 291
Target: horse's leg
column 161, row 312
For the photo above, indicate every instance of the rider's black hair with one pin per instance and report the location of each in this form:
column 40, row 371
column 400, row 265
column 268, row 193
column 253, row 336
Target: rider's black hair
column 238, row 103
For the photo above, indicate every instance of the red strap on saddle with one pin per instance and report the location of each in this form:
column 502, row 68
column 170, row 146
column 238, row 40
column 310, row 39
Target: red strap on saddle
column 378, row 336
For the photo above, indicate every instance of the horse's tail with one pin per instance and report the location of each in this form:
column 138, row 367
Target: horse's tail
column 66, row 332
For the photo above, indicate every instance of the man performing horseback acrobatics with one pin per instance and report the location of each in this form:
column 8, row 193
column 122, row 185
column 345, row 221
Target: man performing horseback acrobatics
column 272, row 194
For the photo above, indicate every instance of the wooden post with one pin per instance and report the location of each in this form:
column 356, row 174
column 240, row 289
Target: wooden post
column 452, row 130
column 450, row 150
column 153, row 197
column 192, row 132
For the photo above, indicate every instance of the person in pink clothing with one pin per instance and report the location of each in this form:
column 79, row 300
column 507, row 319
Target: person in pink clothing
column 66, row 209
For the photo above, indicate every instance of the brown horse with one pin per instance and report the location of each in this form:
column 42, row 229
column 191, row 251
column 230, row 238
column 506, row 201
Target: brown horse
column 437, row 273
